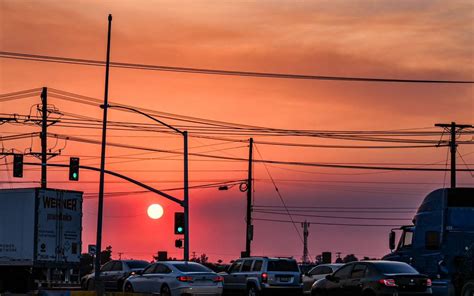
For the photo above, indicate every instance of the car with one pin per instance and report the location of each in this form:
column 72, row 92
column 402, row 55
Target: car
column 373, row 278
column 175, row 278
column 316, row 273
column 306, row 267
column 255, row 276
column 114, row 273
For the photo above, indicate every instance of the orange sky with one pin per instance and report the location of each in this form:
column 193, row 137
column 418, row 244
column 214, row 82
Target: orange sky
column 398, row 39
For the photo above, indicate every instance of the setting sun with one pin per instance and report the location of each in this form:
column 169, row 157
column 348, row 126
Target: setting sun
column 155, row 211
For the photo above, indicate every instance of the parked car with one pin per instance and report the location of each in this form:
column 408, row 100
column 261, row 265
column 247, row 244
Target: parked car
column 373, row 278
column 264, row 276
column 317, row 273
column 175, row 278
column 114, row 273
column 306, row 267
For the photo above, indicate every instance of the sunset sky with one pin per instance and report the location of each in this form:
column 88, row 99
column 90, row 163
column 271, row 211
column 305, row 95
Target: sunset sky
column 400, row 39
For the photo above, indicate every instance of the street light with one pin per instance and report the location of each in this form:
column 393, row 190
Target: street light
column 185, row 203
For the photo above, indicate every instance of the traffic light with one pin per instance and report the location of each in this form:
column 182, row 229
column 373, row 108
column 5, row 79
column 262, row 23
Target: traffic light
column 178, row 243
column 74, row 169
column 178, row 223
column 18, row 165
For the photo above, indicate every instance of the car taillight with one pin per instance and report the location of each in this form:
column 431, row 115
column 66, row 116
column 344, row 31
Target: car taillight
column 264, row 277
column 218, row 279
column 185, row 278
column 388, row 282
column 429, row 283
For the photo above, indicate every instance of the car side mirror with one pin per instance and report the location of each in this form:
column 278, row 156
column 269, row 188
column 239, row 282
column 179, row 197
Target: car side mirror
column 391, row 240
column 330, row 278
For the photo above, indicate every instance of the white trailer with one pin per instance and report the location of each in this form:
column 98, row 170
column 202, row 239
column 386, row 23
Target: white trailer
column 40, row 237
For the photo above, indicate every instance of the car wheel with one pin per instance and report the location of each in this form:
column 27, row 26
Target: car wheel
column 468, row 289
column 128, row 288
column 90, row 285
column 165, row 291
column 120, row 285
column 317, row 293
column 368, row 293
column 252, row 291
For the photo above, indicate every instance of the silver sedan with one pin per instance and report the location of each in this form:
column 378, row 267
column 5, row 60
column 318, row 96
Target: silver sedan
column 173, row 278
column 317, row 273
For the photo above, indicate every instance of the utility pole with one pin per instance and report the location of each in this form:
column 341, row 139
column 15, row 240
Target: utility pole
column 44, row 137
column 98, row 283
column 249, row 229
column 305, row 226
column 451, row 127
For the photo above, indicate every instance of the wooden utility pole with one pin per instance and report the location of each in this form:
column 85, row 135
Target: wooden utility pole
column 305, row 226
column 249, row 228
column 44, row 137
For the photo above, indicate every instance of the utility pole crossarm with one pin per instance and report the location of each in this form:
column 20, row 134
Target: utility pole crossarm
column 453, row 128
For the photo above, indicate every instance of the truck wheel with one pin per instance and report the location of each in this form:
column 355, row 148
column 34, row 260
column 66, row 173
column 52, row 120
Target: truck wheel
column 468, row 289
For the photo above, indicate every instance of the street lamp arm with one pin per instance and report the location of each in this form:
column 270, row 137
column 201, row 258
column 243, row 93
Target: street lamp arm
column 144, row 114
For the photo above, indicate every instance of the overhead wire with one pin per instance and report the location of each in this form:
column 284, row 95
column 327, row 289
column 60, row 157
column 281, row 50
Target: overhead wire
column 88, row 62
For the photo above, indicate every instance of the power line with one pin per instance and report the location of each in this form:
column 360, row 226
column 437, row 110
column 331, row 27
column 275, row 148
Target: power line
column 333, row 217
column 88, row 62
column 328, row 224
column 281, row 197
column 332, row 207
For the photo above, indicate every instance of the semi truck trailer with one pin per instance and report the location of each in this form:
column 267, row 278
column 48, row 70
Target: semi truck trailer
column 40, row 238
column 440, row 243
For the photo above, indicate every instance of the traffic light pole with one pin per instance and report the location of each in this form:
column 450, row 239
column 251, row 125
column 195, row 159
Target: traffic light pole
column 185, row 202
column 186, row 198
column 44, row 137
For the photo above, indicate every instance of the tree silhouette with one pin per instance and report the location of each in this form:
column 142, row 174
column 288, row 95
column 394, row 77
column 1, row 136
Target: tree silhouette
column 106, row 255
column 350, row 258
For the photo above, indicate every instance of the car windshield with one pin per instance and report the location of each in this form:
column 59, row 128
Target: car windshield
column 191, row 267
column 395, row 267
column 137, row 264
column 282, row 265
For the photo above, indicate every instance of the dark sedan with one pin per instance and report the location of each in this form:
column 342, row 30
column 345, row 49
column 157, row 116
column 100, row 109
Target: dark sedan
column 373, row 278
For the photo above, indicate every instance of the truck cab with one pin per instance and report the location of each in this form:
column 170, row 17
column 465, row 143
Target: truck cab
column 440, row 243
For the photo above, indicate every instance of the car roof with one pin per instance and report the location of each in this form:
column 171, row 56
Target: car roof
column 178, row 262
column 330, row 264
column 383, row 262
column 265, row 257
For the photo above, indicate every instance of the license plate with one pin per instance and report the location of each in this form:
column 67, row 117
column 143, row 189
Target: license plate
column 284, row 279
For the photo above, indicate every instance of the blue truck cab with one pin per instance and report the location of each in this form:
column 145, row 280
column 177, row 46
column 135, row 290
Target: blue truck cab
column 440, row 243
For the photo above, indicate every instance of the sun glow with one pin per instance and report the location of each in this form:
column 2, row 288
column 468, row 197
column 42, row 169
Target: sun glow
column 155, row 211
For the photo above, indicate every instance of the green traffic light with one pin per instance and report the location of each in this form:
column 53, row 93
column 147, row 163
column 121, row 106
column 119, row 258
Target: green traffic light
column 74, row 175
column 180, row 229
